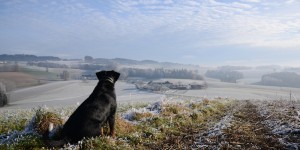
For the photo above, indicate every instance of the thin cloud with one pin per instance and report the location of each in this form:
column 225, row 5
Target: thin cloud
column 159, row 25
column 251, row 1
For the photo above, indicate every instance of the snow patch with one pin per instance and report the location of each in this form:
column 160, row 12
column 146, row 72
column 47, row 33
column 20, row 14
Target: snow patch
column 154, row 108
column 15, row 136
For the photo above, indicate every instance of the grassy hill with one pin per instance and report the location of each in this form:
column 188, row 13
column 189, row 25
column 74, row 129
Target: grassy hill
column 173, row 123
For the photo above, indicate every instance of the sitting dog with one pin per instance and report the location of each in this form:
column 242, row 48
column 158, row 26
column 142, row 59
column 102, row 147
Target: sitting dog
column 89, row 118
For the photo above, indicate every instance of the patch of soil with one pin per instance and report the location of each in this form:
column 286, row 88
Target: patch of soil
column 247, row 131
column 283, row 117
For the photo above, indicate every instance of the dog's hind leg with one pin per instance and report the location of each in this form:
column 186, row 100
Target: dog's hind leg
column 111, row 122
column 101, row 131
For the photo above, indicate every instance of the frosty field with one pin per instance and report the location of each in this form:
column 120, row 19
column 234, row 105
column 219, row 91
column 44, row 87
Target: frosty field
column 65, row 93
column 223, row 116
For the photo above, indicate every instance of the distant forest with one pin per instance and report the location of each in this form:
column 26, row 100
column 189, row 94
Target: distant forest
column 225, row 75
column 161, row 73
column 47, row 64
column 126, row 72
column 234, row 68
column 286, row 79
column 91, row 65
column 24, row 57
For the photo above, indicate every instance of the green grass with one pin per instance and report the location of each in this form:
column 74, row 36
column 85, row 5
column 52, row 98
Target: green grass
column 174, row 127
column 32, row 142
column 15, row 121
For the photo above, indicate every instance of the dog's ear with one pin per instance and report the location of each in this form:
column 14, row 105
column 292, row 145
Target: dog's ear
column 116, row 75
column 100, row 74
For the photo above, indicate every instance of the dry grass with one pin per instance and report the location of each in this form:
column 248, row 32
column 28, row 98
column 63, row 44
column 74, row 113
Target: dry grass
column 176, row 126
column 43, row 120
column 139, row 116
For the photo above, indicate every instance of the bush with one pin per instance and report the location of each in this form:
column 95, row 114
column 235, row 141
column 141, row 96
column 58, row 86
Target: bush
column 44, row 118
column 3, row 96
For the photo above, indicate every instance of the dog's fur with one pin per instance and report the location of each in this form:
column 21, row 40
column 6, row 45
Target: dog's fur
column 89, row 118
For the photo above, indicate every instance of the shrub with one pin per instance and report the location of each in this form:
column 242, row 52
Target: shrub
column 3, row 96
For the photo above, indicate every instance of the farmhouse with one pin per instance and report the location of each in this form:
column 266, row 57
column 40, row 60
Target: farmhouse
column 198, row 86
column 167, row 85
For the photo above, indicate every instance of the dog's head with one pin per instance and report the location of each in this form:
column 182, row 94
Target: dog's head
column 110, row 76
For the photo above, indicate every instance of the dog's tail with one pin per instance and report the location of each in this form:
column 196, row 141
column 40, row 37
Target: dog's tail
column 52, row 143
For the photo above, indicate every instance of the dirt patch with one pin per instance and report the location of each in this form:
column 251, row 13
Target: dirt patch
column 247, row 131
column 241, row 128
column 283, row 117
column 14, row 80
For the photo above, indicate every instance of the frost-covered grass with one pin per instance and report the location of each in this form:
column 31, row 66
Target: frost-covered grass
column 283, row 118
column 255, row 124
column 170, row 123
column 22, row 129
column 173, row 122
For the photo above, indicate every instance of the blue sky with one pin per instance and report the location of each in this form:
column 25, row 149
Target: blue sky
column 204, row 32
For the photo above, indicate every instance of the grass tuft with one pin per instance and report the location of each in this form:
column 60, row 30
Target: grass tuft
column 43, row 120
column 139, row 116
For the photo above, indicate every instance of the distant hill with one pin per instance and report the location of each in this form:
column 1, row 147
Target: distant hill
column 148, row 63
column 114, row 61
column 124, row 61
column 148, row 69
column 24, row 57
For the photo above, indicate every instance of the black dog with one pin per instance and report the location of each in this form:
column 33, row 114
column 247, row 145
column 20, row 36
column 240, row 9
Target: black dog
column 89, row 118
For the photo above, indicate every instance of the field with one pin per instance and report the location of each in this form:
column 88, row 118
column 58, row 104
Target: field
column 26, row 77
column 223, row 116
column 65, row 93
column 14, row 80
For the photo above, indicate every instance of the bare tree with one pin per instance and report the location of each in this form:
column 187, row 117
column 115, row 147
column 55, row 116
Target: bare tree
column 16, row 67
column 65, row 75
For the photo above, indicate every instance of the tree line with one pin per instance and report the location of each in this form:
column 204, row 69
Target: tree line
column 84, row 66
column 47, row 64
column 160, row 73
column 25, row 57
column 287, row 79
column 225, row 75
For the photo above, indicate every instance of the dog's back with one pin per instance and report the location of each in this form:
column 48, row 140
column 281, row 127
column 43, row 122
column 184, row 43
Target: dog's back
column 90, row 116
column 99, row 108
